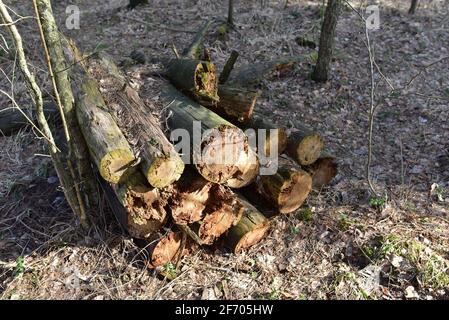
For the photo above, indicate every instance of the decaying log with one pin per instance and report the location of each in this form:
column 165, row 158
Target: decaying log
column 195, row 78
column 287, row 189
column 108, row 147
column 160, row 163
column 253, row 74
column 236, row 104
column 127, row 202
column 248, row 169
column 216, row 155
column 11, row 119
column 275, row 136
column 225, row 211
column 252, row 228
column 304, row 145
column 144, row 205
column 191, row 195
column 323, row 170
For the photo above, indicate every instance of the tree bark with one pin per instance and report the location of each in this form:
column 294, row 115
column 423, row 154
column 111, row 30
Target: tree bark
column 236, row 104
column 160, row 163
column 217, row 151
column 78, row 156
column 250, row 230
column 327, row 39
column 276, row 139
column 304, row 145
column 287, row 189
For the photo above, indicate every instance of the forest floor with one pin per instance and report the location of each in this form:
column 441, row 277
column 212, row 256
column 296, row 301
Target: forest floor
column 345, row 243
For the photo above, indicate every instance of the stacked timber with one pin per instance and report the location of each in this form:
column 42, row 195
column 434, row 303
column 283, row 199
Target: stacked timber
column 172, row 207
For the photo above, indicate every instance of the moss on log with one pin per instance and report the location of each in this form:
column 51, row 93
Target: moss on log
column 160, row 163
column 195, row 78
column 107, row 145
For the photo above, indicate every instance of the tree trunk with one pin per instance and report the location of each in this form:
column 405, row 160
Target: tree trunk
column 108, row 147
column 327, row 39
column 413, row 7
column 248, row 169
column 160, row 163
column 304, row 145
column 252, row 227
column 216, row 153
column 231, row 13
column 287, row 189
column 78, row 156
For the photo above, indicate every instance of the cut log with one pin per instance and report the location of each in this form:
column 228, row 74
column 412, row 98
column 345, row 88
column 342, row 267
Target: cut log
column 248, row 169
column 304, row 146
column 252, row 228
column 275, row 136
column 216, row 155
column 144, row 206
column 253, row 74
column 236, row 104
column 166, row 248
column 323, row 170
column 225, row 212
column 191, row 195
column 287, row 189
column 160, row 163
column 11, row 119
column 108, row 147
column 127, row 203
column 195, row 78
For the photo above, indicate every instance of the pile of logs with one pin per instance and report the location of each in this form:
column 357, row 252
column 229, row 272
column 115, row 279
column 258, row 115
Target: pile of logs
column 172, row 207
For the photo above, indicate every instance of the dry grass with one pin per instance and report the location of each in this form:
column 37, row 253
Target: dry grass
column 343, row 244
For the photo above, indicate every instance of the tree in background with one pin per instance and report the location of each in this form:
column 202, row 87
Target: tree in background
column 413, row 7
column 327, row 39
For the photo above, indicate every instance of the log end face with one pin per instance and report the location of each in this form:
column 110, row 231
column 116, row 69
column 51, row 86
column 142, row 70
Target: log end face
column 295, row 192
column 309, row 150
column 116, row 165
column 165, row 171
column 166, row 250
column 251, row 238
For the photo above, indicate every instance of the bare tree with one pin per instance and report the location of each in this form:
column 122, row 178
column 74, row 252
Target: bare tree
column 327, row 39
column 413, row 7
